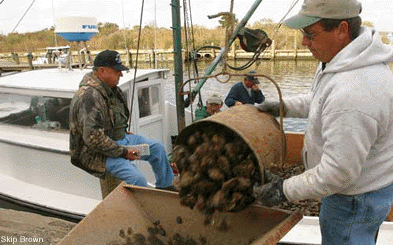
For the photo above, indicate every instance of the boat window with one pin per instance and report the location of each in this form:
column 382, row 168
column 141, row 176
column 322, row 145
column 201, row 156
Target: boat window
column 35, row 111
column 149, row 101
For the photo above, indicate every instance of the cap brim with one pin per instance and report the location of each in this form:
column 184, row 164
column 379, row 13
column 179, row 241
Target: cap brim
column 301, row 21
column 214, row 101
column 120, row 68
column 253, row 79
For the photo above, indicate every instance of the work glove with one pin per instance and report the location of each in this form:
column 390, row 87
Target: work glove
column 271, row 193
column 271, row 107
column 269, row 177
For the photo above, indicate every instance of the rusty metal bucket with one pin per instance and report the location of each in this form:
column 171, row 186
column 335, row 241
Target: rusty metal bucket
column 260, row 131
column 130, row 213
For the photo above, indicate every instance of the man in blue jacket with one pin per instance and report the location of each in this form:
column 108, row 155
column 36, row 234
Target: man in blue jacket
column 246, row 92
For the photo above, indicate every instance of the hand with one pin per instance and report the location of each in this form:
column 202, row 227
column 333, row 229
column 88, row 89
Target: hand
column 175, row 170
column 255, row 87
column 132, row 154
column 238, row 103
column 271, row 107
column 269, row 177
column 270, row 194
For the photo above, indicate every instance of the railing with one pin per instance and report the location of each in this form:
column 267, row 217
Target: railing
column 8, row 61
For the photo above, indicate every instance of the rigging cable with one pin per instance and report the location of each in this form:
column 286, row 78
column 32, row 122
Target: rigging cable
column 22, row 16
column 230, row 18
column 189, row 35
column 155, row 36
column 279, row 24
column 262, row 48
column 230, row 21
column 136, row 65
column 194, row 61
column 124, row 26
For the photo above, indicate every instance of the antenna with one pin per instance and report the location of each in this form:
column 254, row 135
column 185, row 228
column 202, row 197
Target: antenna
column 23, row 16
column 54, row 24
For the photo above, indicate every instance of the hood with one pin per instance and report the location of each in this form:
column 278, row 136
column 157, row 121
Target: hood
column 366, row 50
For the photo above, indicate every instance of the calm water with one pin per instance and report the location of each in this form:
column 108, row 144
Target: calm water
column 293, row 77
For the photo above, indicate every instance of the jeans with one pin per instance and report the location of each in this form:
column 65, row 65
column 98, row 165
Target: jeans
column 354, row 219
column 129, row 172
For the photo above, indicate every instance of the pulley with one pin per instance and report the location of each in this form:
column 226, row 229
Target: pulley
column 253, row 40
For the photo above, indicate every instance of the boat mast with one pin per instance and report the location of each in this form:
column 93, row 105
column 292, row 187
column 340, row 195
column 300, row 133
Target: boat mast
column 54, row 23
column 178, row 63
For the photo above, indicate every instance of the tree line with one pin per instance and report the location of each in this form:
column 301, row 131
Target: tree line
column 111, row 36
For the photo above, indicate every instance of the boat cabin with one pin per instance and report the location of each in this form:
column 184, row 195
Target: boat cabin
column 34, row 124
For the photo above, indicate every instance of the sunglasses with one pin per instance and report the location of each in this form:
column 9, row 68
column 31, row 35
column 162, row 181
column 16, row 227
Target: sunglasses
column 309, row 35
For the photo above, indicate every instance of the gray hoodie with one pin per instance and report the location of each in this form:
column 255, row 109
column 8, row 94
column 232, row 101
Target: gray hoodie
column 348, row 146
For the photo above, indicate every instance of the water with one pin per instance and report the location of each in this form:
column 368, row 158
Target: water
column 293, row 78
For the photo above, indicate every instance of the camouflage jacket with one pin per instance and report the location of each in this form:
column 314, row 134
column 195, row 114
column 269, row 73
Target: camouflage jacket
column 91, row 126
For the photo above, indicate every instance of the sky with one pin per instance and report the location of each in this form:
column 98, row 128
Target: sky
column 127, row 13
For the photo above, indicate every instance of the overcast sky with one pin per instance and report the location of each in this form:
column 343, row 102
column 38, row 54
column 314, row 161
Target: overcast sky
column 43, row 12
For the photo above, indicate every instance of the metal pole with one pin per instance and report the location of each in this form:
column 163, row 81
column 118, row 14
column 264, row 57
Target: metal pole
column 177, row 50
column 213, row 65
column 54, row 23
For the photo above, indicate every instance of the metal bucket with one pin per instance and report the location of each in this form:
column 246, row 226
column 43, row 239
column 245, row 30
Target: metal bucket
column 260, row 131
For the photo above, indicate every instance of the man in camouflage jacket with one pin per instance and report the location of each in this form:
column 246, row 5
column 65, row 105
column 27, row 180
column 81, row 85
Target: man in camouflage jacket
column 98, row 123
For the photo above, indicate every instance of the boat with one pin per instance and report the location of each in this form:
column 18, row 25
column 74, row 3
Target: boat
column 54, row 55
column 39, row 177
column 37, row 174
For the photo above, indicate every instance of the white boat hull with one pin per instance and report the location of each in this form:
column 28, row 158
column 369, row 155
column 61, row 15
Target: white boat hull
column 36, row 167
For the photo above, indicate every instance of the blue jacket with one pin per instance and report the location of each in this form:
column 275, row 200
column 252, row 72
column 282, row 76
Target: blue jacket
column 239, row 93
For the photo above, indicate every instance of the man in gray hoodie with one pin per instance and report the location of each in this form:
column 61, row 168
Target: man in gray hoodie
column 348, row 145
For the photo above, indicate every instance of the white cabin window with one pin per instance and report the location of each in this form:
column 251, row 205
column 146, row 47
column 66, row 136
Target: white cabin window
column 149, row 101
column 35, row 111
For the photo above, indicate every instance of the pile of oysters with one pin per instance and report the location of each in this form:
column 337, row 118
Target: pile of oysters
column 217, row 170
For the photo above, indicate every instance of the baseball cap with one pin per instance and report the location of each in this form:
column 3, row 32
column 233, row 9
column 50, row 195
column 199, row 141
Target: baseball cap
column 214, row 99
column 251, row 75
column 109, row 58
column 313, row 11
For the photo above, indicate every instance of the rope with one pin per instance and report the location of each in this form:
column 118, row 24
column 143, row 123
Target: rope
column 228, row 34
column 189, row 35
column 136, row 65
column 186, row 35
column 279, row 24
column 22, row 16
column 124, row 26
